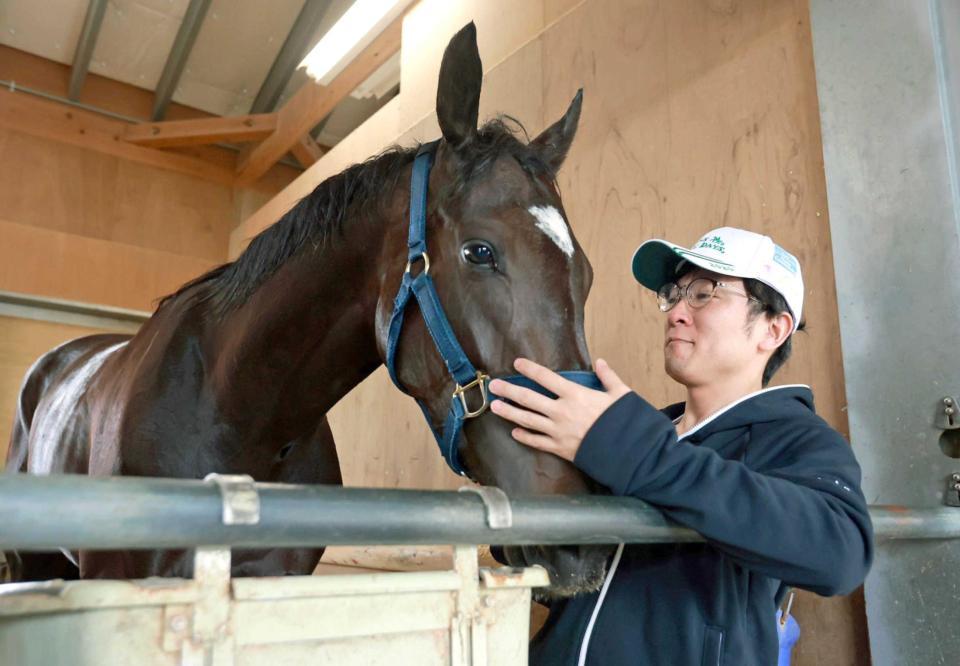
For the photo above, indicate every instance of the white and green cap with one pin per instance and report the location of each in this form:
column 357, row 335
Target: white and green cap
column 728, row 251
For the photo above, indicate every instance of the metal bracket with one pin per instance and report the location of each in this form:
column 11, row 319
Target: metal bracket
column 499, row 512
column 241, row 503
column 952, row 496
column 947, row 417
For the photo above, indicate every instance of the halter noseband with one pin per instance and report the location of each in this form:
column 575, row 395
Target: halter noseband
column 421, row 287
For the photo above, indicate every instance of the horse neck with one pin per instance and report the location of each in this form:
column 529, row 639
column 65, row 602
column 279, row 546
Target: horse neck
column 306, row 337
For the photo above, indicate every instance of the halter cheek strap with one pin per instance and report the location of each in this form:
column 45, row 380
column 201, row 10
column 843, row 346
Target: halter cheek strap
column 422, row 289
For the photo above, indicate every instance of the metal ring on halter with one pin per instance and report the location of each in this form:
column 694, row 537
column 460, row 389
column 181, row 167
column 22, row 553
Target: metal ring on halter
column 459, row 392
column 426, row 263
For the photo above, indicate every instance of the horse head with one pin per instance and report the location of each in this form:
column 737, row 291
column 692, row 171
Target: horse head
column 512, row 280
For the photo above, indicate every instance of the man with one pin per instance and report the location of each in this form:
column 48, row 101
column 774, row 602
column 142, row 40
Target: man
column 771, row 487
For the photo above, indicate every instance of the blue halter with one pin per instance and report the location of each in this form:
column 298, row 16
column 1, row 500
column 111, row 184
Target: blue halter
column 421, row 287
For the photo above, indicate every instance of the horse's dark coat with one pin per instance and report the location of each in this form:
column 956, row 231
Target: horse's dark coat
column 235, row 372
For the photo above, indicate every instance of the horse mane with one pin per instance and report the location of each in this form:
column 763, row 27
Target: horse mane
column 363, row 187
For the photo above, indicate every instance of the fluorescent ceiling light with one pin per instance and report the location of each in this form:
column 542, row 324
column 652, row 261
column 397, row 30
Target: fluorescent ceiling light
column 355, row 29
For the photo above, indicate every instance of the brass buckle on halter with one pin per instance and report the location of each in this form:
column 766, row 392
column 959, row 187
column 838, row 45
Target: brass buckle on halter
column 480, row 381
column 426, row 263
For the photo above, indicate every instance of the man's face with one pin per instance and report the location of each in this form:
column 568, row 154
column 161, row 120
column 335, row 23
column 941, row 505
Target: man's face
column 715, row 342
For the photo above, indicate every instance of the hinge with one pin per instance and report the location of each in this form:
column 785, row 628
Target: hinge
column 947, row 417
column 952, row 496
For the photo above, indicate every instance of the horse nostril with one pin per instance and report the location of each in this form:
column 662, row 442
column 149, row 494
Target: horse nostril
column 285, row 451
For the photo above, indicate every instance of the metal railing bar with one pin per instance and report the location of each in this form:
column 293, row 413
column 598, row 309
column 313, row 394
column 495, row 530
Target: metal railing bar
column 72, row 511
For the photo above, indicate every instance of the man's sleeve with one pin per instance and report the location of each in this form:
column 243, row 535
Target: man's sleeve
column 803, row 521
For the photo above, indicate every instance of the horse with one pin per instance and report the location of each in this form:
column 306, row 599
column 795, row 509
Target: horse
column 236, row 371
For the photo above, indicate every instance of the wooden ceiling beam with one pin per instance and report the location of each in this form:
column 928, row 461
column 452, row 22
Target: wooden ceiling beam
column 49, row 120
column 229, row 129
column 313, row 102
column 46, row 119
column 307, row 151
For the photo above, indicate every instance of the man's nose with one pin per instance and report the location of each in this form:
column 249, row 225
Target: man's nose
column 679, row 314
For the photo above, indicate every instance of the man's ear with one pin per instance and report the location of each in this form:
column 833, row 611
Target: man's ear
column 777, row 330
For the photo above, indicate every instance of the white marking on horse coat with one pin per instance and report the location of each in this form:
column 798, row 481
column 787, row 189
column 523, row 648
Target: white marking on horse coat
column 69, row 556
column 59, row 410
column 551, row 222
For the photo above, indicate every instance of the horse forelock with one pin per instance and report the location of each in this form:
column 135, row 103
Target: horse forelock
column 499, row 137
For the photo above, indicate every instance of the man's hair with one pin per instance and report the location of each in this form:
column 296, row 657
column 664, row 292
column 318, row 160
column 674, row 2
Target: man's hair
column 770, row 303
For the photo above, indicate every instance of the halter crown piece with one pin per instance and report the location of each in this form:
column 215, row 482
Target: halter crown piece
column 466, row 377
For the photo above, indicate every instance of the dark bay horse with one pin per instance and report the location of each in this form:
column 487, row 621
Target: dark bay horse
column 235, row 372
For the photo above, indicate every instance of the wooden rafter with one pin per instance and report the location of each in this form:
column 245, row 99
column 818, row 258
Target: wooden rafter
column 202, row 131
column 26, row 113
column 307, row 151
column 313, row 102
column 49, row 120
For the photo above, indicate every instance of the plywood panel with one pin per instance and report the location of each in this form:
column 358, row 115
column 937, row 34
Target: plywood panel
column 59, row 265
column 66, row 188
column 674, row 141
column 554, row 10
column 23, row 342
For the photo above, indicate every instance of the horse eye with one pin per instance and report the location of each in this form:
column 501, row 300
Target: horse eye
column 479, row 254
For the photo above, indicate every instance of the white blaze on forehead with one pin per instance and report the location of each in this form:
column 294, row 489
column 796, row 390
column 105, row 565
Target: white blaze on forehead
column 551, row 222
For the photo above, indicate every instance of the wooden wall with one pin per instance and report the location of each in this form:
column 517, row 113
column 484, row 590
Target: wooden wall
column 697, row 113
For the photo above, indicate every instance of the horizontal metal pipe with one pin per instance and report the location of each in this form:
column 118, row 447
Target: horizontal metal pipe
column 45, row 513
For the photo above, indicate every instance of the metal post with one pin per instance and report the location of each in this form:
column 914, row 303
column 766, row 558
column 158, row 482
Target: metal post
column 294, row 48
column 85, row 45
column 179, row 52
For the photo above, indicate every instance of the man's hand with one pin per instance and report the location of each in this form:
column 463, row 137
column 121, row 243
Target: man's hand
column 556, row 426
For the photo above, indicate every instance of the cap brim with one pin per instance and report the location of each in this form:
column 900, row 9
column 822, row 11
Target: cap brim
column 655, row 263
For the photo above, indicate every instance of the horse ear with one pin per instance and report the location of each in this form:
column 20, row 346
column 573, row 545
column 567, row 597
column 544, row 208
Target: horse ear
column 554, row 142
column 458, row 92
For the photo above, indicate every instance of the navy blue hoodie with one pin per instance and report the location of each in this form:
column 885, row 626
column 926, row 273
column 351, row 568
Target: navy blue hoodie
column 774, row 490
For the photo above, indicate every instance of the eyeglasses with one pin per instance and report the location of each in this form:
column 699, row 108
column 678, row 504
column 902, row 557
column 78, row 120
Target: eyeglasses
column 697, row 293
